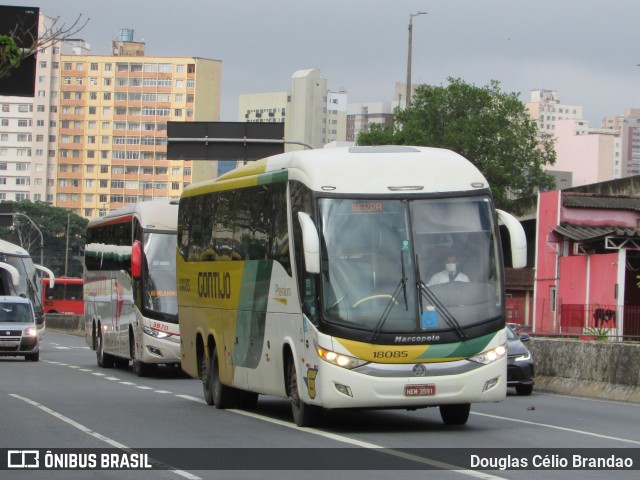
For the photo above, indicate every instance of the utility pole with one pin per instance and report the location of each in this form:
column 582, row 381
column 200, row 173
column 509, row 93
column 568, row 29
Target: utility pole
column 66, row 250
column 407, row 97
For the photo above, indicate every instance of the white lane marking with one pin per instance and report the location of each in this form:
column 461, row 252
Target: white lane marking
column 85, row 370
column 88, row 431
column 162, row 391
column 565, row 429
column 98, row 374
column 193, row 399
column 359, row 443
column 115, row 379
column 144, row 387
column 127, row 383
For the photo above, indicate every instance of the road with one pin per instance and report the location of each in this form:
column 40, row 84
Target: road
column 66, row 401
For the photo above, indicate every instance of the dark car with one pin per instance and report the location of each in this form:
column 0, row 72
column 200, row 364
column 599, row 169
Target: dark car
column 519, row 363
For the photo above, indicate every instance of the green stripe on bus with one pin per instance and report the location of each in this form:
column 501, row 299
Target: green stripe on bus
column 464, row 349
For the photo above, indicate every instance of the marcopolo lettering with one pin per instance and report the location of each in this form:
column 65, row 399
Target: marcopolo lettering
column 417, row 339
column 214, row 285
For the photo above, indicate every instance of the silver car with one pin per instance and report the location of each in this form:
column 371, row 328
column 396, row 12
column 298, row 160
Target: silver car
column 18, row 331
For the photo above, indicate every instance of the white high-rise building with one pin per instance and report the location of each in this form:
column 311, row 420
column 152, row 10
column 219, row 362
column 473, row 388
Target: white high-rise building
column 546, row 109
column 28, row 132
column 312, row 114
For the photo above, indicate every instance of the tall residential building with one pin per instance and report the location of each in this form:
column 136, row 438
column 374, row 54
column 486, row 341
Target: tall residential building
column 312, row 114
column 628, row 126
column 360, row 117
column 588, row 154
column 113, row 114
column 28, row 131
column 546, row 109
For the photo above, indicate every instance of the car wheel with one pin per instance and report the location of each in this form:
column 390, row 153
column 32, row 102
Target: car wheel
column 524, row 389
column 32, row 357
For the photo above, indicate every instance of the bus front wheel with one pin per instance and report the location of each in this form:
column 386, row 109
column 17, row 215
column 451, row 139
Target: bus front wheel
column 304, row 415
column 455, row 414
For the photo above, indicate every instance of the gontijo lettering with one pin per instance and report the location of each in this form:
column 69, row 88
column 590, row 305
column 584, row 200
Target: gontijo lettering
column 214, row 284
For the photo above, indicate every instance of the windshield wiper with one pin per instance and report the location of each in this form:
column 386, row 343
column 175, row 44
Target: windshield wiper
column 387, row 310
column 432, row 299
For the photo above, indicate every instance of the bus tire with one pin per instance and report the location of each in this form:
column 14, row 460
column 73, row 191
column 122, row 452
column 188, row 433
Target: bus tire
column 207, row 380
column 455, row 414
column 140, row 368
column 223, row 395
column 304, row 415
column 104, row 359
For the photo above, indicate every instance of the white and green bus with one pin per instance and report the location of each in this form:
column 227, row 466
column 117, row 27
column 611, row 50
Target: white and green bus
column 130, row 305
column 306, row 276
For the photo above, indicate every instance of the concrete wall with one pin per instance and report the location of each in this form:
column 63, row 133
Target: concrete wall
column 607, row 370
column 71, row 324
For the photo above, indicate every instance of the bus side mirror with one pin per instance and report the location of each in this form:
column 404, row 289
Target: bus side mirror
column 136, row 259
column 310, row 243
column 517, row 237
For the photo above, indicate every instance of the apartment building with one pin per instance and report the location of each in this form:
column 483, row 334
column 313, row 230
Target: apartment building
column 28, row 132
column 312, row 114
column 628, row 127
column 360, row 117
column 113, row 114
column 545, row 108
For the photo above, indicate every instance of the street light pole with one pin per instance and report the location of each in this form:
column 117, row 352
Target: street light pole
column 407, row 97
column 41, row 237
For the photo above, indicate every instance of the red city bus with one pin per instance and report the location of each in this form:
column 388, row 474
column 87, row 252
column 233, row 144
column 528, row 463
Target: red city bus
column 64, row 297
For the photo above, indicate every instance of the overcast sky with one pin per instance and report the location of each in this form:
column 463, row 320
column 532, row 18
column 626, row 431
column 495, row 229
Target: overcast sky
column 586, row 50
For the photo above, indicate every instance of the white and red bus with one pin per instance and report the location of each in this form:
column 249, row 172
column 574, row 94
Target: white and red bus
column 130, row 305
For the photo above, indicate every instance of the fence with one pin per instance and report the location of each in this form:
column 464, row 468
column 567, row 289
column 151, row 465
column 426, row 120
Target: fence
column 600, row 320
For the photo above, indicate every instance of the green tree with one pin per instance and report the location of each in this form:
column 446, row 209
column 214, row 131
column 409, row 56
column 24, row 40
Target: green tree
column 53, row 222
column 489, row 127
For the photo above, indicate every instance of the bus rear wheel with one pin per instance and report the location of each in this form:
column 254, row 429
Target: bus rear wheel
column 207, row 379
column 104, row 359
column 304, row 415
column 455, row 414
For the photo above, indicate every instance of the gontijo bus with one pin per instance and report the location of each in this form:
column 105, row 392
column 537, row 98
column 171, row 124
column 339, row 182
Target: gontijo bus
column 130, row 306
column 306, row 275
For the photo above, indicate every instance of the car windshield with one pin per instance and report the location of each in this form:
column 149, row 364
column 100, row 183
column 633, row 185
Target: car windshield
column 15, row 312
column 381, row 261
column 159, row 281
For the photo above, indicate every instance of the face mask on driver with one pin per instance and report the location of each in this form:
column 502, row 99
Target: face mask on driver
column 451, row 267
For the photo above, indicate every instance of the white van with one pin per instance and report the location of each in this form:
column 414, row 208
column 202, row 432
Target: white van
column 18, row 331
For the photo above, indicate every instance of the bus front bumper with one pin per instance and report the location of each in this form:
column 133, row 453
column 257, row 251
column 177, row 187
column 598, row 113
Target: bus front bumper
column 407, row 386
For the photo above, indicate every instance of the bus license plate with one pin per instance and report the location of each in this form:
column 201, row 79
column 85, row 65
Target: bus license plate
column 419, row 390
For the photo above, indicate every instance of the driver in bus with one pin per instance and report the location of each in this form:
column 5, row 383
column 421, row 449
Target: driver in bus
column 451, row 273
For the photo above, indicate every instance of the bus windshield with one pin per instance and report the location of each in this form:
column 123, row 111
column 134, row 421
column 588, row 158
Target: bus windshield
column 159, row 277
column 30, row 286
column 386, row 263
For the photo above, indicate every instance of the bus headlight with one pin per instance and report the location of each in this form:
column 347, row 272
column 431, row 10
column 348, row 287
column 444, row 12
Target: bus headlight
column 30, row 331
column 155, row 333
column 344, row 361
column 490, row 356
